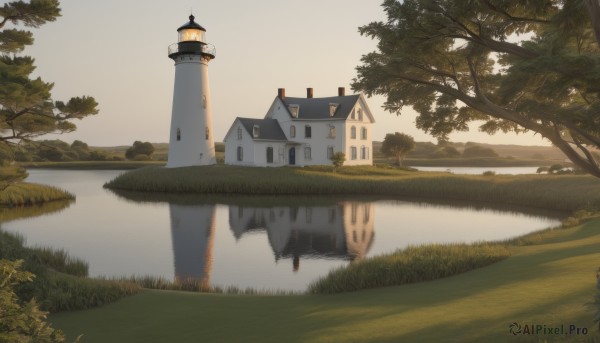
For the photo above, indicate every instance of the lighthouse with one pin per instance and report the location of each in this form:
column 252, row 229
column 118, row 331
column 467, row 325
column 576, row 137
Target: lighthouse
column 191, row 140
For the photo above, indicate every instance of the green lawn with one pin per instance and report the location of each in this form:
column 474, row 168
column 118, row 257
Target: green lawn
column 548, row 284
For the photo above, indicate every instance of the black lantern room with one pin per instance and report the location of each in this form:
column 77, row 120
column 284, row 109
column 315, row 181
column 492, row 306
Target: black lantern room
column 191, row 41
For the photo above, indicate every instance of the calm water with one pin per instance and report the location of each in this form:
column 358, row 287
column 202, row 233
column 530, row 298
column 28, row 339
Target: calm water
column 481, row 170
column 274, row 243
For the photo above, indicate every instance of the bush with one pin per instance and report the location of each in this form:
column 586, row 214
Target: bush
column 410, row 265
column 489, row 173
column 139, row 148
column 21, row 323
column 475, row 151
column 338, row 159
column 141, row 157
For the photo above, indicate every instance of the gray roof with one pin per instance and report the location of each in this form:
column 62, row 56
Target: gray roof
column 269, row 129
column 318, row 108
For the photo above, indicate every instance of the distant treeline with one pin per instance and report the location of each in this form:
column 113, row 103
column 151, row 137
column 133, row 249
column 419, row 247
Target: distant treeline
column 59, row 151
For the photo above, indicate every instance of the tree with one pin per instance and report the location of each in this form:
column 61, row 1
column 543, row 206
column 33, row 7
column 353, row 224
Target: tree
column 516, row 67
column 338, row 160
column 139, row 148
column 476, row 151
column 397, row 145
column 21, row 322
column 27, row 109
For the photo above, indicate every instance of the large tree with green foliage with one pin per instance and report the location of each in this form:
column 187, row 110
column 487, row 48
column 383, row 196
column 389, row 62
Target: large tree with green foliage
column 397, row 145
column 27, row 109
column 517, row 66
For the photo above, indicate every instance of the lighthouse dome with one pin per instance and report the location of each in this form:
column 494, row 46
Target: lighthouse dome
column 191, row 31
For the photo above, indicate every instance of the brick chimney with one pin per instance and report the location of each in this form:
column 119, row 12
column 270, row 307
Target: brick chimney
column 341, row 91
column 281, row 93
column 309, row 93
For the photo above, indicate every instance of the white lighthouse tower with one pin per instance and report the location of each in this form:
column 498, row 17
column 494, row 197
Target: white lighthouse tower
column 191, row 140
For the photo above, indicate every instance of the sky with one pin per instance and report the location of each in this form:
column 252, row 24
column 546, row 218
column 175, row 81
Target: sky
column 116, row 51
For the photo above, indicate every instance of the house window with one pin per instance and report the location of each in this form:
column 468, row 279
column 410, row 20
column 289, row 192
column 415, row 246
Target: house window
column 360, row 114
column 178, row 134
column 353, row 115
column 363, row 152
column 270, row 155
column 293, row 131
column 330, row 152
column 332, row 215
column 294, row 110
column 353, row 132
column 332, row 108
column 363, row 133
column 331, row 131
column 240, row 153
column 307, row 131
column 256, row 131
column 307, row 153
column 353, row 153
column 206, row 132
column 239, row 133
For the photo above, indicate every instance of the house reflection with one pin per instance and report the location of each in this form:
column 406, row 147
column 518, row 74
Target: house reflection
column 341, row 231
column 193, row 232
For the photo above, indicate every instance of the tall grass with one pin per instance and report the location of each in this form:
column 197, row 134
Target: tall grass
column 194, row 285
column 562, row 193
column 23, row 194
column 60, row 282
column 410, row 265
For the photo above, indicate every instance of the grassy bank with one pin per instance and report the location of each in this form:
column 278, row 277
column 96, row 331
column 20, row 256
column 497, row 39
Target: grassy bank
column 410, row 265
column 546, row 283
column 92, row 165
column 24, row 194
column 60, row 282
column 478, row 162
column 563, row 193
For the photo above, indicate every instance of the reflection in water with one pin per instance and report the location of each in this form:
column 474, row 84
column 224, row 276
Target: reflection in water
column 193, row 232
column 341, row 231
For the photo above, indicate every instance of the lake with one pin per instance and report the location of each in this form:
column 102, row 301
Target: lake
column 246, row 241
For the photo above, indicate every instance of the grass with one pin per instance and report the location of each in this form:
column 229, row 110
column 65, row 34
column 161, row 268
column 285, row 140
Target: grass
column 562, row 193
column 92, row 165
column 411, row 265
column 60, row 282
column 547, row 283
column 479, row 162
column 27, row 194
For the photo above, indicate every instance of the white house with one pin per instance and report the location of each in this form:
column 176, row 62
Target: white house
column 303, row 131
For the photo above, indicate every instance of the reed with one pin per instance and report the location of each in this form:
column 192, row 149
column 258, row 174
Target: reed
column 60, row 282
column 410, row 265
column 195, row 285
column 25, row 194
column 562, row 193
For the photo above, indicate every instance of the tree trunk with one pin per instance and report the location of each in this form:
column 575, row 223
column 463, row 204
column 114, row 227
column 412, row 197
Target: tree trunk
column 594, row 10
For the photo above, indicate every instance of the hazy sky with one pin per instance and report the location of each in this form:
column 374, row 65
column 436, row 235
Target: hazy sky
column 116, row 51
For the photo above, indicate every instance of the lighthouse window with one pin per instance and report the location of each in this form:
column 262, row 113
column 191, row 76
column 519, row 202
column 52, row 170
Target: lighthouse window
column 207, row 132
column 204, row 101
column 178, row 134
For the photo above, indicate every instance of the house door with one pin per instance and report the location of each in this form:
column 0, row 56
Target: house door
column 292, row 156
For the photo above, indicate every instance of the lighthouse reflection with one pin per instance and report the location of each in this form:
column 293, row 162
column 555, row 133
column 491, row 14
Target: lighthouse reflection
column 193, row 232
column 341, row 231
